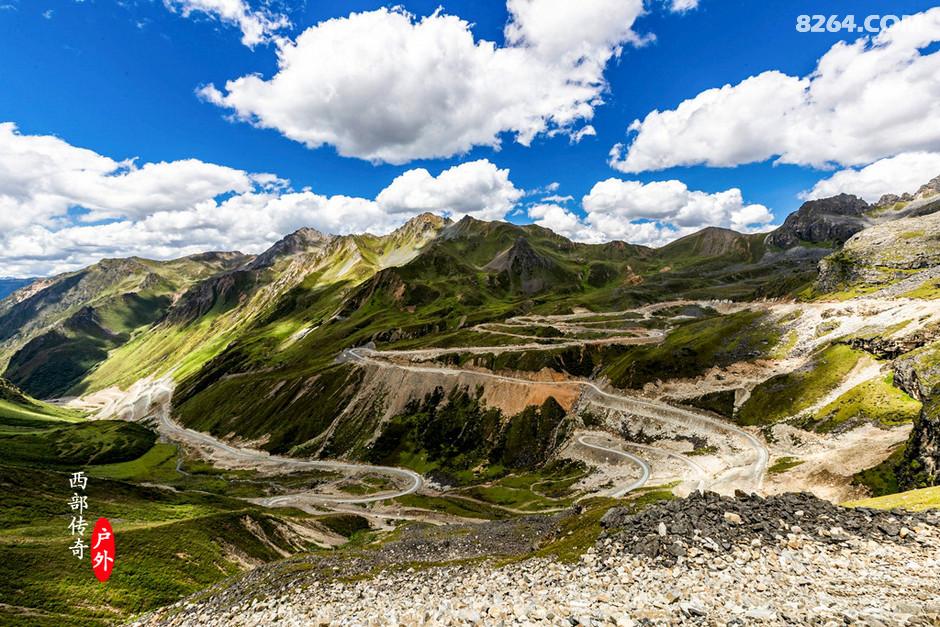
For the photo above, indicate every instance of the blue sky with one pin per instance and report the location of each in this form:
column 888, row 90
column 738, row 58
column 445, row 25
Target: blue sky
column 85, row 86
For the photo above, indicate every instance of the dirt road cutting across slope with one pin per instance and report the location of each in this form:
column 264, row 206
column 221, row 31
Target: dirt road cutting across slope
column 154, row 400
column 746, row 478
column 644, row 467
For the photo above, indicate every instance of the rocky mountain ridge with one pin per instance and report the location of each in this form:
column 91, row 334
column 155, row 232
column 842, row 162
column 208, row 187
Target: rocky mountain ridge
column 280, row 318
column 831, row 222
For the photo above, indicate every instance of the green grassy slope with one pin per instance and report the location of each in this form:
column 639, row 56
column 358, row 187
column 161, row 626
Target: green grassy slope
column 693, row 348
column 21, row 413
column 784, row 396
column 876, row 401
column 52, row 338
column 168, row 545
column 77, row 445
column 40, row 435
column 460, row 279
column 914, row 500
column 169, row 542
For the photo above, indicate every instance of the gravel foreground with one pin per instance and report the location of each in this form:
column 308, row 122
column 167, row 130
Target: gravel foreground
column 704, row 560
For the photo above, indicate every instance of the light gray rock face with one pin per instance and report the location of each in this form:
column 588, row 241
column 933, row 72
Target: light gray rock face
column 932, row 188
column 883, row 254
column 832, row 221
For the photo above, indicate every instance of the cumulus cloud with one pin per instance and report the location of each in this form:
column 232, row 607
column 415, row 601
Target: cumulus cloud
column 42, row 177
column 478, row 188
column 681, row 6
column 893, row 175
column 257, row 26
column 64, row 207
column 386, row 86
column 248, row 222
column 652, row 214
column 560, row 220
column 574, row 33
column 865, row 101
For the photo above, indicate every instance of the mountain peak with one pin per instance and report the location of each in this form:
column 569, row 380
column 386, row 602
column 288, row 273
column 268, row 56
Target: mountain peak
column 928, row 189
column 300, row 240
column 931, row 188
column 424, row 222
column 521, row 258
column 827, row 220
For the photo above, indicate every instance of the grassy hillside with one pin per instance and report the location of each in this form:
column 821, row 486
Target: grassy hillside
column 55, row 333
column 20, row 413
column 693, row 348
column 170, row 542
column 168, row 545
column 914, row 500
column 40, row 435
column 312, row 295
column 784, row 396
column 472, row 272
column 875, row 401
column 460, row 437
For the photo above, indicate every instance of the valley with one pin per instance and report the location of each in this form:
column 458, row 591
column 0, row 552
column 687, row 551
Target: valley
column 373, row 401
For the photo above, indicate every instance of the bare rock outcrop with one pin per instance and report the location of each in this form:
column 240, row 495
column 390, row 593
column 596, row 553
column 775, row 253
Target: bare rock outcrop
column 829, row 220
column 883, row 254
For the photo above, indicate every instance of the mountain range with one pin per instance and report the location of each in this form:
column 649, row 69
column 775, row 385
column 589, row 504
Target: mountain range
column 495, row 365
column 286, row 313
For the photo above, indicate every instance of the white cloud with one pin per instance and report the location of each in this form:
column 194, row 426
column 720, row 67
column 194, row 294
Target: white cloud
column 866, row 100
column 587, row 32
column 681, row 6
column 257, row 26
column 893, row 175
column 41, row 177
column 477, row 188
column 560, row 220
column 672, row 202
column 653, row 214
column 167, row 210
column 388, row 87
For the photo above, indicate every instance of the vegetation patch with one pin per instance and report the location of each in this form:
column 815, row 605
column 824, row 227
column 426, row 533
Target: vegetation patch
column 170, row 544
column 720, row 402
column 883, row 478
column 876, row 401
column 912, row 500
column 21, row 413
column 346, row 525
column 784, row 464
column 459, row 436
column 75, row 446
column 694, row 348
column 278, row 407
column 929, row 290
column 785, row 396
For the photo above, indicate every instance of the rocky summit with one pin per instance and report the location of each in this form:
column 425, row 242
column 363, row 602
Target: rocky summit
column 701, row 560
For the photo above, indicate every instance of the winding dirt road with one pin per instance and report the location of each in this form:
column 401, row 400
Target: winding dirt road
column 678, row 417
column 645, row 471
column 156, row 398
column 152, row 398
